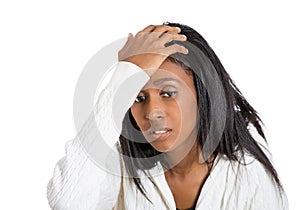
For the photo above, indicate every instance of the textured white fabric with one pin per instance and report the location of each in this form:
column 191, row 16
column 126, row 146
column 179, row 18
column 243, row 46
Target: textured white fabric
column 81, row 181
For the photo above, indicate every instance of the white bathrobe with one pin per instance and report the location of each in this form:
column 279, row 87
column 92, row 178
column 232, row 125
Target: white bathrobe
column 90, row 177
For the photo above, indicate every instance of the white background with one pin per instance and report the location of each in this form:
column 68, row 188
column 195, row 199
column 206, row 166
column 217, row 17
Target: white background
column 44, row 46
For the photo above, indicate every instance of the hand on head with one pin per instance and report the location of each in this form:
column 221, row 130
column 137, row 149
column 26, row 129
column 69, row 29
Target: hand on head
column 148, row 50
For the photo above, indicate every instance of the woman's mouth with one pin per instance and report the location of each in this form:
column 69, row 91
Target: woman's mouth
column 159, row 134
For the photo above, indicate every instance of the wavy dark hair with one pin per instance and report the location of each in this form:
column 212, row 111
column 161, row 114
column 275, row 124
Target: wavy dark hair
column 211, row 82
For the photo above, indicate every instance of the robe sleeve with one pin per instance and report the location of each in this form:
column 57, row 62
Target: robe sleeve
column 88, row 177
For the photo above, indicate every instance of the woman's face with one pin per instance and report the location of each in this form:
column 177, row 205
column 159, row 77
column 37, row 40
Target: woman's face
column 166, row 108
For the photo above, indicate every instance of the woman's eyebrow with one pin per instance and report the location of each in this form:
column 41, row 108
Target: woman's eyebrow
column 166, row 79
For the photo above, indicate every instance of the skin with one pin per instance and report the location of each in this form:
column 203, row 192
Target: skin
column 168, row 102
column 155, row 106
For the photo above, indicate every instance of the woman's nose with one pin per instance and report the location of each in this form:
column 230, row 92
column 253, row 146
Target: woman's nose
column 155, row 114
column 154, row 110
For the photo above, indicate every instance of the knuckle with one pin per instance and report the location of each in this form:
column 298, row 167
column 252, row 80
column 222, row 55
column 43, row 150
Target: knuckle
column 139, row 33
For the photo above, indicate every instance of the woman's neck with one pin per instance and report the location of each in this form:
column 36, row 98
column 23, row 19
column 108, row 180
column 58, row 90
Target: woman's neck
column 191, row 159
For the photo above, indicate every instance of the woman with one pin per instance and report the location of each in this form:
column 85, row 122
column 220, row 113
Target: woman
column 189, row 138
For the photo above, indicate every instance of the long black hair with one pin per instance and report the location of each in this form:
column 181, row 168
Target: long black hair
column 211, row 81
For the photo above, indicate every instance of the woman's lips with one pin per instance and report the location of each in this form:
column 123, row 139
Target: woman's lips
column 159, row 134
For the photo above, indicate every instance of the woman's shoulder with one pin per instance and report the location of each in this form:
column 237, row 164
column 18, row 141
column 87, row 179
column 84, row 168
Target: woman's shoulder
column 250, row 181
column 247, row 170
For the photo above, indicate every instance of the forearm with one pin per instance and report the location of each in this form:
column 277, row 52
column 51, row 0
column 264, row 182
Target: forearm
column 90, row 173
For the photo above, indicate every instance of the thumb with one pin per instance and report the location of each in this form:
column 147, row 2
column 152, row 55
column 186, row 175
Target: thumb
column 129, row 39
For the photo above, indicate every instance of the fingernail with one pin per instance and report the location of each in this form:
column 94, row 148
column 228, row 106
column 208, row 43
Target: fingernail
column 184, row 36
column 179, row 29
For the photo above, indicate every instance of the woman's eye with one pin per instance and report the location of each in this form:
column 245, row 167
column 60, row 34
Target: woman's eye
column 140, row 99
column 168, row 93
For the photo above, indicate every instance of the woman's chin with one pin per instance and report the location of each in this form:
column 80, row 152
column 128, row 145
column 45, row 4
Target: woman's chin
column 162, row 146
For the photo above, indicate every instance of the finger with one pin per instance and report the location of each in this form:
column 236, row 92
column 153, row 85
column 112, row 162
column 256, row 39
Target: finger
column 165, row 28
column 129, row 39
column 148, row 29
column 162, row 30
column 126, row 46
column 168, row 37
column 175, row 48
column 143, row 33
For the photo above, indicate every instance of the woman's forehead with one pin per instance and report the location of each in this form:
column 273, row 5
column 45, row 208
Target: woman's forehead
column 170, row 73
